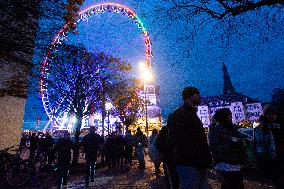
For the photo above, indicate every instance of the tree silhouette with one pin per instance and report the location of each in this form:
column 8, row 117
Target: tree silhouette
column 20, row 34
column 218, row 20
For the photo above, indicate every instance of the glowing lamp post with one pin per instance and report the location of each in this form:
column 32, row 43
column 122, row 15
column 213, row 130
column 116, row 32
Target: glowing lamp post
column 147, row 77
column 108, row 107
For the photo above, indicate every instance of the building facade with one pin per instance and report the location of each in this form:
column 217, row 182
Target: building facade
column 151, row 98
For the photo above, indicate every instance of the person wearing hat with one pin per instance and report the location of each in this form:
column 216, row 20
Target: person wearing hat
column 91, row 144
column 267, row 138
column 188, row 142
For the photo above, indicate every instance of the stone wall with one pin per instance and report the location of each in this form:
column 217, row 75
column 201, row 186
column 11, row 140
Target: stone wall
column 11, row 120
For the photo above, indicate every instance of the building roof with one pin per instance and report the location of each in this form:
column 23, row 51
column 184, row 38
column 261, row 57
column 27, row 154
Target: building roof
column 226, row 99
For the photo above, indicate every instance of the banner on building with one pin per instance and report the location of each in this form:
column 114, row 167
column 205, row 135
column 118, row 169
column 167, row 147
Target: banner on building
column 152, row 99
column 238, row 113
column 253, row 111
column 203, row 114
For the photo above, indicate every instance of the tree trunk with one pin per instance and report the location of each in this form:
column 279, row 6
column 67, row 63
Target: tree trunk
column 103, row 108
column 76, row 143
column 103, row 116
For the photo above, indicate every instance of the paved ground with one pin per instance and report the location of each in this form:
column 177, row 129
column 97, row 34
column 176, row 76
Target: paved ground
column 131, row 178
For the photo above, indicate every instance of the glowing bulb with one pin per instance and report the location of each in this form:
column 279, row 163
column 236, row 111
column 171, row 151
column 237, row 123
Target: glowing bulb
column 74, row 119
column 147, row 75
column 108, row 106
column 142, row 66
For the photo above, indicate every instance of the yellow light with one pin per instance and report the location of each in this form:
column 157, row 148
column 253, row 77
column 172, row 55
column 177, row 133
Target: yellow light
column 145, row 72
column 142, row 66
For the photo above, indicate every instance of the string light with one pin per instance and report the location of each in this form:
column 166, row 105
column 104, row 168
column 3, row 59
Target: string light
column 62, row 36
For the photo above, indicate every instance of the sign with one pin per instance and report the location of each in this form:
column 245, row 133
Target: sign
column 152, row 99
column 238, row 113
column 203, row 114
column 253, row 111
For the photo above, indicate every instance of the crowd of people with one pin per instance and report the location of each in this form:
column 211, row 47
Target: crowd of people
column 183, row 147
column 187, row 152
column 114, row 150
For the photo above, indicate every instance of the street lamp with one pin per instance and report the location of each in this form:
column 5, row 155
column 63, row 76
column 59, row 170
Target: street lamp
column 146, row 76
column 108, row 107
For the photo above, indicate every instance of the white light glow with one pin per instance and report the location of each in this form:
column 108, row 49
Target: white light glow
column 142, row 66
column 147, row 75
column 74, row 119
column 108, row 106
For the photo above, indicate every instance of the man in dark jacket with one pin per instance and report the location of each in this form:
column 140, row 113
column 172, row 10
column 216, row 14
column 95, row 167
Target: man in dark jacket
column 63, row 149
column 91, row 144
column 189, row 143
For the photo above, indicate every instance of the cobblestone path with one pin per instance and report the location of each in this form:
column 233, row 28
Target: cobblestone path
column 133, row 178
column 130, row 178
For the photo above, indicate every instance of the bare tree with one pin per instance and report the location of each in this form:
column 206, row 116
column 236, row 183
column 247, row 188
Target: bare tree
column 222, row 20
column 220, row 9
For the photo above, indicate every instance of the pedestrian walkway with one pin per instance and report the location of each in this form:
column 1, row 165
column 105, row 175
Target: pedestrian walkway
column 131, row 178
column 120, row 178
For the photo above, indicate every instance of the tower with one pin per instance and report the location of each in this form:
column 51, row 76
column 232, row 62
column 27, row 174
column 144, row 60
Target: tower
column 228, row 87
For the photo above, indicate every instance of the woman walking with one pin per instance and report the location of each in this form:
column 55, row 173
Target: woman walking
column 225, row 145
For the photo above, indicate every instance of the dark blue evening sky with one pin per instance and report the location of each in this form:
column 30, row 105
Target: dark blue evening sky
column 255, row 62
column 256, row 66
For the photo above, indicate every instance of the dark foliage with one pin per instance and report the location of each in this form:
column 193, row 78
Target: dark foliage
column 19, row 25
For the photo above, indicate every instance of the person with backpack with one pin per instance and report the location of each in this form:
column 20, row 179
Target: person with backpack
column 153, row 151
column 63, row 149
column 91, row 144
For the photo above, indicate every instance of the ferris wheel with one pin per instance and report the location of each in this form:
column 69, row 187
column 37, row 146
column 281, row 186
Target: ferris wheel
column 54, row 110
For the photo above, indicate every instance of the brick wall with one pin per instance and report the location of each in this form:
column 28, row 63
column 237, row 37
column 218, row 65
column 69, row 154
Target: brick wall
column 11, row 120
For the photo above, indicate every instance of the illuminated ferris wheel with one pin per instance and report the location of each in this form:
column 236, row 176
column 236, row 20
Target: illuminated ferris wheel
column 54, row 110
